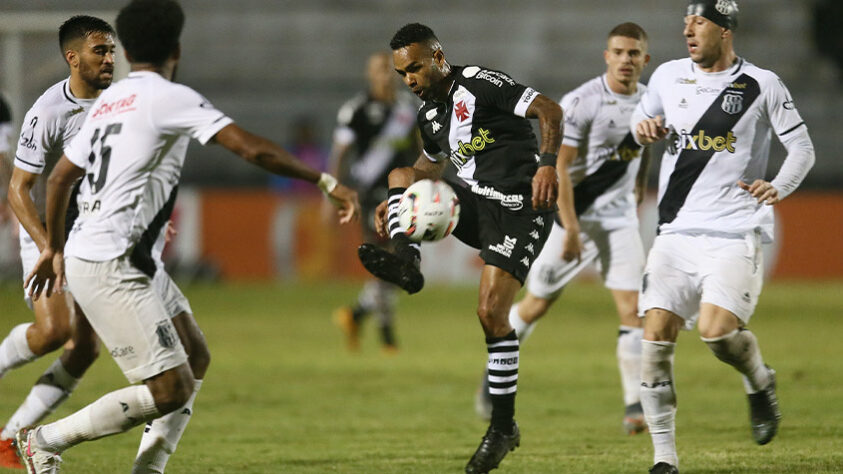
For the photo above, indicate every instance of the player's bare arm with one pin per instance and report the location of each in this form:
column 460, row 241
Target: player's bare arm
column 423, row 168
column 641, row 177
column 550, row 119
column 48, row 272
column 20, row 200
column 650, row 131
column 571, row 245
column 271, row 157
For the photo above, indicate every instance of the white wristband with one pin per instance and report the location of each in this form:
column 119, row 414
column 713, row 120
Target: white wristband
column 327, row 183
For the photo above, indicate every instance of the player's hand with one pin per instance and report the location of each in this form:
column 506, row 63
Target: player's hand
column 761, row 190
column 47, row 274
column 345, row 200
column 381, row 218
column 650, row 131
column 545, row 187
column 572, row 246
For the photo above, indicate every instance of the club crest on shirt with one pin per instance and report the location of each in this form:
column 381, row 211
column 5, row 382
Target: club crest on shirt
column 165, row 334
column 732, row 103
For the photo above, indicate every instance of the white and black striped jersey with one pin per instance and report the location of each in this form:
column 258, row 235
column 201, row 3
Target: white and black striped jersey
column 720, row 126
column 482, row 130
column 381, row 135
column 132, row 148
column 49, row 125
column 607, row 162
column 5, row 126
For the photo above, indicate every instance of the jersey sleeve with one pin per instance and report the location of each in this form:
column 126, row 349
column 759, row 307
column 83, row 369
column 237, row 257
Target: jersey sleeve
column 184, row 111
column 781, row 110
column 344, row 133
column 578, row 117
column 5, row 126
column 498, row 90
column 35, row 141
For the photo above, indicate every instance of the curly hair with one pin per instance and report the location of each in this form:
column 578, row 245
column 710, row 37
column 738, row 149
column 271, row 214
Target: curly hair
column 149, row 29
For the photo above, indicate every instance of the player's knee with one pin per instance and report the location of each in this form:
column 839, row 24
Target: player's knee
column 50, row 336
column 531, row 309
column 175, row 397
column 401, row 177
column 199, row 358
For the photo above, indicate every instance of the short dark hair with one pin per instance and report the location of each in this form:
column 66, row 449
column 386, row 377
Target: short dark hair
column 79, row 27
column 629, row 30
column 149, row 29
column 412, row 33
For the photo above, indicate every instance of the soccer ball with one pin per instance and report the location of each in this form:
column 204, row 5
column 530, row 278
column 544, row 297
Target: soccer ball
column 428, row 210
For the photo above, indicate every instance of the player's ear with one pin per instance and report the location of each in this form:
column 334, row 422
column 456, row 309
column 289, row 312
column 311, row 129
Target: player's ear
column 606, row 56
column 438, row 57
column 71, row 57
column 646, row 59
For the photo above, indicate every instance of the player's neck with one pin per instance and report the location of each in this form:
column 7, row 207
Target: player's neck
column 724, row 62
column 383, row 95
column 165, row 70
column 621, row 88
column 81, row 89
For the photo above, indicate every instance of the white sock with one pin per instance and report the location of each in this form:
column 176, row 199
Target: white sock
column 522, row 328
column 740, row 349
column 629, row 363
column 113, row 413
column 51, row 389
column 658, row 398
column 14, row 350
column 162, row 435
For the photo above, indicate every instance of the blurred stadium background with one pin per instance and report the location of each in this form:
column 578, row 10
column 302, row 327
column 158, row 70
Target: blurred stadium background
column 284, row 68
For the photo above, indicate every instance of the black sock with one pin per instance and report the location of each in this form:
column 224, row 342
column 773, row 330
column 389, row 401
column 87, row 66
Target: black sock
column 358, row 314
column 503, row 379
column 387, row 335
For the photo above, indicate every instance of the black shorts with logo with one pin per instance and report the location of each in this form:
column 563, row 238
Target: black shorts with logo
column 508, row 240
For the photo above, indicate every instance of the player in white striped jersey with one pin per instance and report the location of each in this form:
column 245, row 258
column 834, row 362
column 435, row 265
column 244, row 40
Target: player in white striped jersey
column 376, row 132
column 129, row 154
column 87, row 46
column 608, row 172
column 717, row 113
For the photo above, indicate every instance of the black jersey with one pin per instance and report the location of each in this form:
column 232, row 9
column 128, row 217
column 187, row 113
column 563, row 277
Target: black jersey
column 382, row 137
column 482, row 130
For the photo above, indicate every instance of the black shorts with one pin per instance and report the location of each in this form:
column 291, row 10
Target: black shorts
column 508, row 240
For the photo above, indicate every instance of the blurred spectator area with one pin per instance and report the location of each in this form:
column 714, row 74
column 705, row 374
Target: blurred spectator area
column 274, row 66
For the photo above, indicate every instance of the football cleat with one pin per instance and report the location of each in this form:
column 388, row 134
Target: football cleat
column 663, row 468
column 8, row 455
column 483, row 399
column 389, row 267
column 344, row 319
column 492, row 449
column 633, row 419
column 764, row 414
column 36, row 460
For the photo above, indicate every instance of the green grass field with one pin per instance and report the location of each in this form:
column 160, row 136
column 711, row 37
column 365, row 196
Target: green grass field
column 282, row 395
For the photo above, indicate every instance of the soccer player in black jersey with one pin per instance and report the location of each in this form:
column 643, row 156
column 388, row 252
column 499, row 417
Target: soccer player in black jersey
column 477, row 118
column 376, row 132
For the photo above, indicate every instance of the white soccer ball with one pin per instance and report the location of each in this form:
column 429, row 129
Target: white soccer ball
column 428, row 210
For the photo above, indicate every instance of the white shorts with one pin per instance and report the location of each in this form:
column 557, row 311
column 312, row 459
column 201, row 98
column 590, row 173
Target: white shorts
column 618, row 253
column 685, row 270
column 128, row 314
column 174, row 300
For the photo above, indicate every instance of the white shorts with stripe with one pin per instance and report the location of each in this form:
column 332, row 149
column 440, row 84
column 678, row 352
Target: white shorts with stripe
column 618, row 253
column 685, row 270
column 129, row 315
